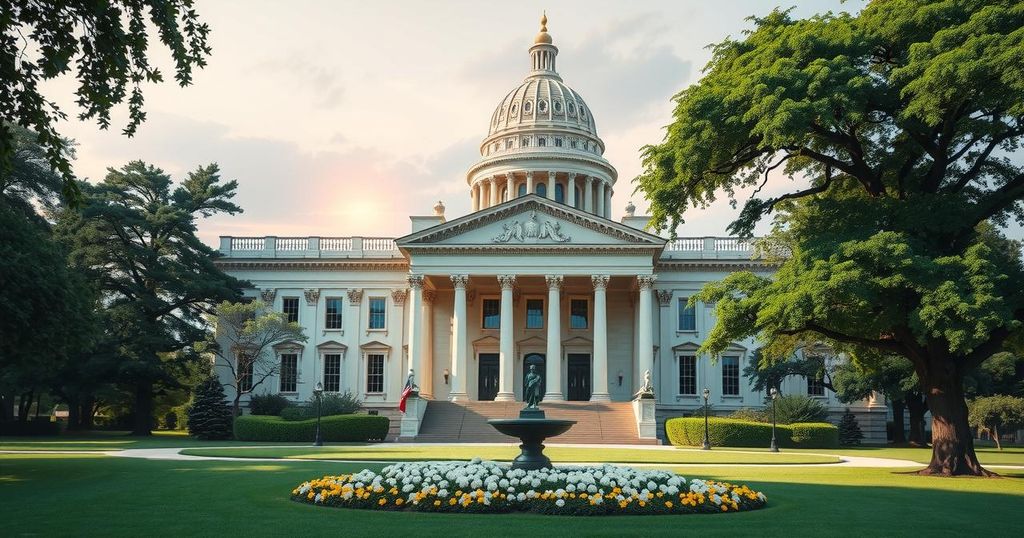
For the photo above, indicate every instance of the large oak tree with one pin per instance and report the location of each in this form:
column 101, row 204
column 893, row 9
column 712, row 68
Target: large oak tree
column 899, row 124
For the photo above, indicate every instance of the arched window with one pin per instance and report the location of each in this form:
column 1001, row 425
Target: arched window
column 525, row 143
column 522, row 189
column 541, row 189
column 560, row 193
column 542, row 141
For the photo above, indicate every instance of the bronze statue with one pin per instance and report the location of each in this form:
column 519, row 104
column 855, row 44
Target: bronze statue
column 531, row 392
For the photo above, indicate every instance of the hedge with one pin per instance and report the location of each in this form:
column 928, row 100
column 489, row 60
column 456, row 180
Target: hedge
column 722, row 431
column 333, row 428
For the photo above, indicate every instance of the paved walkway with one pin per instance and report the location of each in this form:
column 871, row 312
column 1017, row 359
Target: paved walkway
column 174, row 454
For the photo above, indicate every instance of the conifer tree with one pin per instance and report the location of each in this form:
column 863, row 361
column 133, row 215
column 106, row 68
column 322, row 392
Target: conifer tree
column 210, row 417
column 849, row 430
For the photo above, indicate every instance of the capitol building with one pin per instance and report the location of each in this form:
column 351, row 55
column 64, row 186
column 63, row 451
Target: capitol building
column 537, row 274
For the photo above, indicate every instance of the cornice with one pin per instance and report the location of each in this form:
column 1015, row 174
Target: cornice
column 733, row 265
column 588, row 158
column 312, row 264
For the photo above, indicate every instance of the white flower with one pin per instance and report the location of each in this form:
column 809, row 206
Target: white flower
column 560, row 503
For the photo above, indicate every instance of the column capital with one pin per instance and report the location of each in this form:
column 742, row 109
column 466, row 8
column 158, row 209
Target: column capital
column 600, row 281
column 415, row 281
column 312, row 296
column 510, row 175
column 529, row 174
column 429, row 296
column 398, row 296
column 355, row 295
column 268, row 295
column 554, row 282
column 646, row 282
column 460, row 281
column 664, row 297
column 507, row 282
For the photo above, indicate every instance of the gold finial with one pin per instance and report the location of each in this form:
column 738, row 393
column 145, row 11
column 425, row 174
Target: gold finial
column 544, row 21
column 543, row 36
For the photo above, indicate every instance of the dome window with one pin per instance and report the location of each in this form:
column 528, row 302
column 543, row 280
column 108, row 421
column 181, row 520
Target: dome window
column 542, row 106
column 541, row 189
column 522, row 189
column 583, row 113
column 527, row 107
column 509, row 143
column 542, row 141
column 558, row 142
column 572, row 143
column 525, row 143
column 572, row 109
column 515, row 109
column 558, row 107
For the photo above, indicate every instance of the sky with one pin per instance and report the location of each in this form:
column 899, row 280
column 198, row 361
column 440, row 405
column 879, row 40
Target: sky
column 342, row 118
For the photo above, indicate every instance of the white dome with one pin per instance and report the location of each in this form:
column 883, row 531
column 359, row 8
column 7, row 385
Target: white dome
column 543, row 101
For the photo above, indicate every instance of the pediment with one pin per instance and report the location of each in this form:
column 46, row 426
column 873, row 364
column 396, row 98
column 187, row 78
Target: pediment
column 578, row 341
column 332, row 345
column 486, row 341
column 686, row 346
column 288, row 345
column 375, row 345
column 533, row 341
column 530, row 222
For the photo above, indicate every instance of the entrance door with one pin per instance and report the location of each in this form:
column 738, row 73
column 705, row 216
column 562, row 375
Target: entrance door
column 579, row 377
column 487, row 384
column 535, row 359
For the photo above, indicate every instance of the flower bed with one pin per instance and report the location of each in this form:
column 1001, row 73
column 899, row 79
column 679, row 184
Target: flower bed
column 488, row 487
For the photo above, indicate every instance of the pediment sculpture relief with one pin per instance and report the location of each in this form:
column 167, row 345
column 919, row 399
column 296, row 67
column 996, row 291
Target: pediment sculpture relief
column 531, row 231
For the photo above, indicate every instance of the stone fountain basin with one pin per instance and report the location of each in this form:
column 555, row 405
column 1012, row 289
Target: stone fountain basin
column 531, row 428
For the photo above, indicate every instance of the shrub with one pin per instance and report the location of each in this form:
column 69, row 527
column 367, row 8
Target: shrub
column 730, row 432
column 849, row 430
column 296, row 412
column 752, row 415
column 793, row 408
column 268, row 404
column 181, row 411
column 33, row 426
column 170, row 420
column 332, row 428
column 996, row 415
column 210, row 416
column 813, row 435
column 335, row 404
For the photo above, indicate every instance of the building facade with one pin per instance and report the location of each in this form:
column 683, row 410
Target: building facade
column 536, row 275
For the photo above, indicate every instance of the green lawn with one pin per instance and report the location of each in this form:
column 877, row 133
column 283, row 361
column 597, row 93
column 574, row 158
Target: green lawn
column 88, row 495
column 399, row 452
column 115, row 441
column 1009, row 455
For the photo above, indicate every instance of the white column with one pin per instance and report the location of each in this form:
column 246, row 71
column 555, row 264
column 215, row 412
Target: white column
column 426, row 376
column 645, row 338
column 474, row 193
column 600, row 198
column 588, row 194
column 608, row 202
column 416, row 326
column 495, row 195
column 551, row 185
column 529, row 183
column 485, row 198
column 510, row 183
column 600, row 374
column 506, row 346
column 457, row 373
column 570, row 185
column 554, row 356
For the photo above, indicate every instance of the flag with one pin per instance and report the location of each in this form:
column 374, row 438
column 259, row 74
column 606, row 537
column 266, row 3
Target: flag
column 405, row 394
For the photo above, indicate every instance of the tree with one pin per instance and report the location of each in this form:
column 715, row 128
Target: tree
column 136, row 238
column 1001, row 374
column 209, row 418
column 108, row 42
column 997, row 413
column 894, row 378
column 765, row 373
column 30, row 181
column 849, row 430
column 896, row 122
column 243, row 344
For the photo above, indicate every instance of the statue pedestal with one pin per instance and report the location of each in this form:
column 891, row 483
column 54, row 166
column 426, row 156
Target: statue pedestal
column 643, row 411
column 531, row 413
column 415, row 408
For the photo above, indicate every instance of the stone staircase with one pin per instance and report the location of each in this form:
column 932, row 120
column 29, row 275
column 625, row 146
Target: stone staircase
column 466, row 422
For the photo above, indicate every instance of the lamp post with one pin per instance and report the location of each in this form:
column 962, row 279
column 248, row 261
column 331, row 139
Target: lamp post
column 707, row 441
column 318, row 390
column 775, row 396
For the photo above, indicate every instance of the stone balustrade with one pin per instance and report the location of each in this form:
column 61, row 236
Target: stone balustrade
column 683, row 248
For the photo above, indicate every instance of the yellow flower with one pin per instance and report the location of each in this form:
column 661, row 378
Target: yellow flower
column 725, row 508
column 438, row 503
column 642, row 504
column 668, row 504
column 452, row 501
column 399, row 501
column 382, row 501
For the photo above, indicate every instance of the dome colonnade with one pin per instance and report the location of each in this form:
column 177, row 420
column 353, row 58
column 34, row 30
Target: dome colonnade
column 542, row 139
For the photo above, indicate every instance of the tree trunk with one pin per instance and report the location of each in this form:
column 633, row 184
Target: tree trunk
column 952, row 439
column 143, row 409
column 995, row 437
column 899, row 435
column 917, row 407
column 88, row 413
column 236, row 406
column 74, row 414
column 24, row 406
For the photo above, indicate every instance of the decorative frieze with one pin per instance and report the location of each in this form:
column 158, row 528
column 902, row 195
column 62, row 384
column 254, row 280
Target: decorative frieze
column 531, row 230
column 312, row 296
column 355, row 296
column 268, row 295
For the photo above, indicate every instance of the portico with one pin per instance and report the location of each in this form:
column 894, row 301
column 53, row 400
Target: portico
column 530, row 281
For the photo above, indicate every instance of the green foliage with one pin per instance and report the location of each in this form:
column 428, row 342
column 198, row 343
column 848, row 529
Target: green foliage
column 996, row 415
column 340, row 428
column 764, row 372
column 297, row 412
column 209, row 417
column 849, row 430
column 689, row 431
column 1003, row 373
column 268, row 404
column 794, row 408
column 344, row 403
column 135, row 238
column 752, row 415
column 108, row 44
column 33, row 427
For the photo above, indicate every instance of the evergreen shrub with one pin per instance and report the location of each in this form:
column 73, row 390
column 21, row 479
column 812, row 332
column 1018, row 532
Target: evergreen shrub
column 268, row 404
column 335, row 428
column 209, row 418
column 849, row 430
